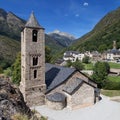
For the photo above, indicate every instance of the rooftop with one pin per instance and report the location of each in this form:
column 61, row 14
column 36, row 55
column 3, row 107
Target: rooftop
column 32, row 22
column 55, row 75
column 73, row 85
column 56, row 97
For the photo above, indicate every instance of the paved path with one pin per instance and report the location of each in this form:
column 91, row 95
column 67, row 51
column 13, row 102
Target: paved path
column 103, row 110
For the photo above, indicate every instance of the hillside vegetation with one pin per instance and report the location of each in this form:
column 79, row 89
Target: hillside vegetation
column 103, row 34
column 8, row 50
column 10, row 35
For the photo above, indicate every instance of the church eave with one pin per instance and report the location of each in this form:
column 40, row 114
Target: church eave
column 34, row 27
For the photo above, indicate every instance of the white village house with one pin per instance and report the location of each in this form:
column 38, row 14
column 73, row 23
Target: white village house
column 73, row 56
column 49, row 84
column 113, row 54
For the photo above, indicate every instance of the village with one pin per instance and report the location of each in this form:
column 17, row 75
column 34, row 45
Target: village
column 111, row 55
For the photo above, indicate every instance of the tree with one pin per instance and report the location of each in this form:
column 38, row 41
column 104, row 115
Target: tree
column 78, row 65
column 1, row 69
column 16, row 70
column 47, row 54
column 102, row 48
column 69, row 63
column 8, row 72
column 100, row 73
column 86, row 59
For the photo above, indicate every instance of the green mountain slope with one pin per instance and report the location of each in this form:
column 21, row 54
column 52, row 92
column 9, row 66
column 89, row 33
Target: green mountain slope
column 8, row 50
column 10, row 35
column 10, row 24
column 52, row 44
column 101, row 37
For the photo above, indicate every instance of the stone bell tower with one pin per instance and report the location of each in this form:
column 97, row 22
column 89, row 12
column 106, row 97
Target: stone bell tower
column 33, row 63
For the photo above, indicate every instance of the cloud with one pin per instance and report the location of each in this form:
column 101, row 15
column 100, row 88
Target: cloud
column 85, row 4
column 77, row 15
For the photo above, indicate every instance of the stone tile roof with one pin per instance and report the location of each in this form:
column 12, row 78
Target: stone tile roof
column 59, row 61
column 68, row 53
column 56, row 97
column 55, row 75
column 114, row 51
column 73, row 85
column 32, row 22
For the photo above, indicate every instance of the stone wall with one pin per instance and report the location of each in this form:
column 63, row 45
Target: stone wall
column 33, row 88
column 84, row 96
column 55, row 105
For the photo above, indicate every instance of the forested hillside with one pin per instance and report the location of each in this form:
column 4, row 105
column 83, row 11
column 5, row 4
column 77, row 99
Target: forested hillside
column 101, row 37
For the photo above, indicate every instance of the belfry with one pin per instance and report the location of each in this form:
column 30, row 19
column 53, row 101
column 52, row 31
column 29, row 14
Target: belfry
column 32, row 83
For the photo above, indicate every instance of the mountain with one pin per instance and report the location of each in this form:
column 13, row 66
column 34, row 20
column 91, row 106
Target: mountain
column 10, row 24
column 10, row 33
column 10, row 28
column 62, row 38
column 52, row 44
column 103, row 34
column 8, row 50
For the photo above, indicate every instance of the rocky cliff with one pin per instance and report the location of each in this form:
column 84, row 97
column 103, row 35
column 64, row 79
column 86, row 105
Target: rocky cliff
column 11, row 101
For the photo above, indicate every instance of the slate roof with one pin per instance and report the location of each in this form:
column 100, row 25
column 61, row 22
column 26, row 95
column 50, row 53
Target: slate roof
column 56, row 97
column 32, row 22
column 55, row 75
column 73, row 85
column 59, row 61
column 114, row 51
column 68, row 53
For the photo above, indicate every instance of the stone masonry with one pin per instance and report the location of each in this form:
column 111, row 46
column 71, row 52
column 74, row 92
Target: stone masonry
column 33, row 63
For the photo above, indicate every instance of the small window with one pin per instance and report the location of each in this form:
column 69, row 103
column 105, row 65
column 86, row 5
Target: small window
column 35, row 61
column 34, row 35
column 35, row 74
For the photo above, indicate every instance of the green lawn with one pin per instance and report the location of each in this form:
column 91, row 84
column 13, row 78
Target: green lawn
column 114, row 78
column 114, row 65
column 111, row 93
column 115, row 84
column 88, row 66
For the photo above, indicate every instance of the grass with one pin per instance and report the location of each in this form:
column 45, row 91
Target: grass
column 111, row 93
column 25, row 117
column 114, row 65
column 88, row 66
column 114, row 78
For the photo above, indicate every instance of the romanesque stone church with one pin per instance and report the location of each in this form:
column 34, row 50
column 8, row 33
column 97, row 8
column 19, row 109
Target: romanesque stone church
column 49, row 84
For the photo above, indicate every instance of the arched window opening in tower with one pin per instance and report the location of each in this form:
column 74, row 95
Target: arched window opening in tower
column 34, row 35
column 35, row 74
column 35, row 61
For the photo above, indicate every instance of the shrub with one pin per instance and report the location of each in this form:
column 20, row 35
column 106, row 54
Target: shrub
column 100, row 73
column 19, row 117
column 110, row 85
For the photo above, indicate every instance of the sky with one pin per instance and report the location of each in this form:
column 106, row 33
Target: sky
column 76, row 17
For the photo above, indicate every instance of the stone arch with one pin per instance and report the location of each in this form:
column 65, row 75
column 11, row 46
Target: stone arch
column 35, row 74
column 34, row 35
column 35, row 61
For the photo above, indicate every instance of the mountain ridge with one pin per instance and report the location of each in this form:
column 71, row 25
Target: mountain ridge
column 10, row 24
column 63, row 38
column 10, row 34
column 102, row 35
